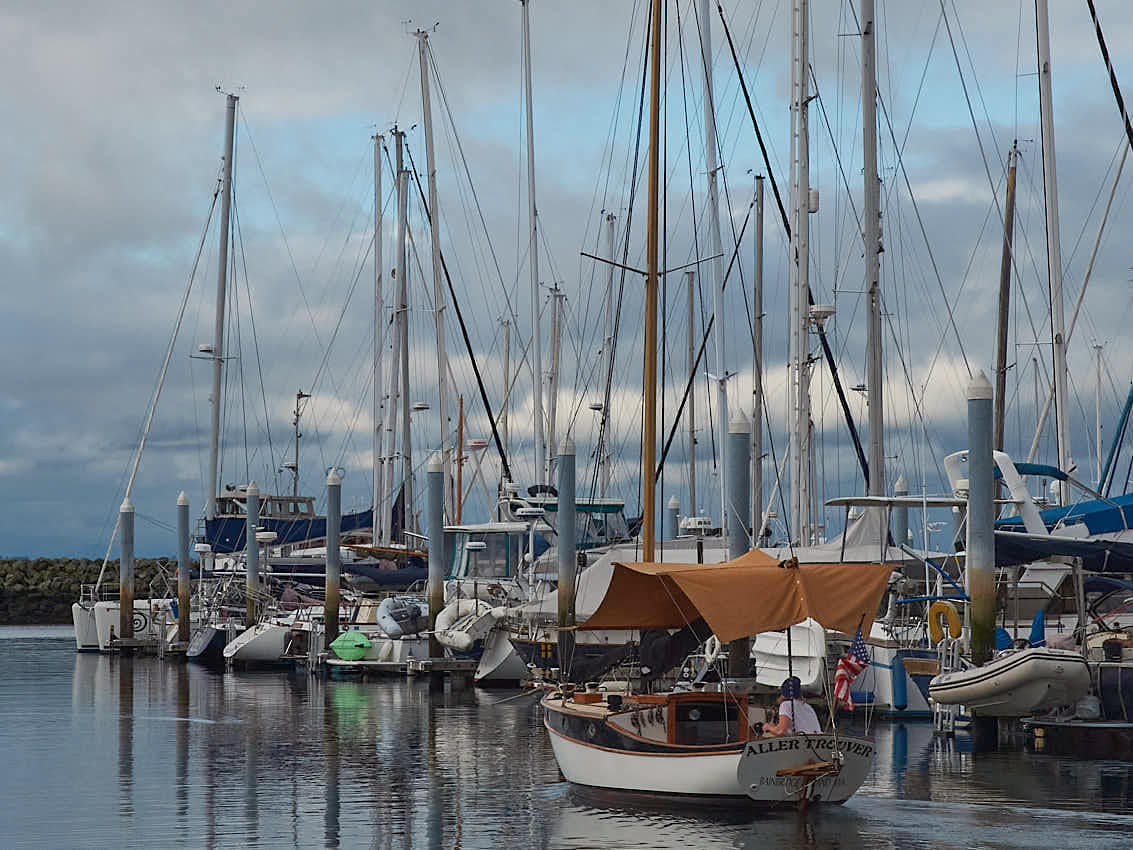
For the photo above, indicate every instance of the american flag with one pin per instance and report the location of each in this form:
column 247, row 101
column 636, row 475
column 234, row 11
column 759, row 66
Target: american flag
column 850, row 665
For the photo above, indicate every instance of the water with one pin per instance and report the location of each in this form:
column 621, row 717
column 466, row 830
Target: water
column 101, row 751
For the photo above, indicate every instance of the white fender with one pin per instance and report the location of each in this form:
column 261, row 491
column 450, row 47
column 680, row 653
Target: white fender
column 711, row 650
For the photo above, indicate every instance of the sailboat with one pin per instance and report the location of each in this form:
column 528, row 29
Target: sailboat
column 704, row 742
column 708, row 742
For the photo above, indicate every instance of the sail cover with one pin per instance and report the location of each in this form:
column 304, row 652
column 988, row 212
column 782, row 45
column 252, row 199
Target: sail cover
column 745, row 596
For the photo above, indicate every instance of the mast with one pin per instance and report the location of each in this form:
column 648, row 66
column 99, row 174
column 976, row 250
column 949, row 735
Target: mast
column 504, row 432
column 1053, row 245
column 403, row 332
column 553, row 378
column 395, row 359
column 649, row 435
column 379, row 346
column 608, row 362
column 541, row 476
column 757, row 372
column 716, row 264
column 691, row 276
column 871, row 239
column 1004, row 300
column 438, row 285
column 299, row 396
column 221, row 298
column 1098, row 411
column 459, row 459
column 800, row 272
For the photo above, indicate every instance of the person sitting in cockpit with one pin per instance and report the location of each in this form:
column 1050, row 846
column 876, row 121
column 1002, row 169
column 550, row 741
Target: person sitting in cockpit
column 795, row 714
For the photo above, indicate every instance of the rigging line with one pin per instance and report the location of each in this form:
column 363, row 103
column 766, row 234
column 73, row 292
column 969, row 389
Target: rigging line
column 256, row 343
column 463, row 326
column 603, row 437
column 239, row 343
column 700, row 352
column 1112, row 73
column 283, row 237
column 156, row 395
column 826, row 350
column 468, row 174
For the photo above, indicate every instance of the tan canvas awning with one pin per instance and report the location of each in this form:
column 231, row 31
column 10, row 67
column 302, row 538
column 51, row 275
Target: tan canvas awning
column 748, row 595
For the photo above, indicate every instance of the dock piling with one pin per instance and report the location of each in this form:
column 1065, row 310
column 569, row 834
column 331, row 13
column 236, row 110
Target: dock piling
column 672, row 519
column 184, row 566
column 738, row 512
column 566, row 547
column 901, row 513
column 436, row 518
column 334, row 555
column 252, row 547
column 126, row 572
column 980, row 556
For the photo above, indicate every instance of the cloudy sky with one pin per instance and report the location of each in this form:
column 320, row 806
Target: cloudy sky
column 115, row 130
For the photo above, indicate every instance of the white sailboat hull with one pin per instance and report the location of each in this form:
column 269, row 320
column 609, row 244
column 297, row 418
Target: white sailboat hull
column 148, row 616
column 1016, row 684
column 263, row 643
column 807, row 658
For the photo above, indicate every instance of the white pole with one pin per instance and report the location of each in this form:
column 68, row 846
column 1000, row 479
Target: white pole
column 504, row 430
column 715, row 245
column 221, row 298
column 757, row 372
column 379, row 348
column 607, row 359
column 691, row 393
column 553, row 382
column 403, row 334
column 533, row 258
column 1098, row 412
column 800, row 307
column 395, row 359
column 871, row 240
column 1053, row 247
column 438, row 283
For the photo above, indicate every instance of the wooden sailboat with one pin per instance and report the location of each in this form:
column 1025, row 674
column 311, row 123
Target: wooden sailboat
column 709, row 742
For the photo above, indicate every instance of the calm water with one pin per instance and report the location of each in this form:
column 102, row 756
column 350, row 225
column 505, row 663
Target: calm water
column 107, row 752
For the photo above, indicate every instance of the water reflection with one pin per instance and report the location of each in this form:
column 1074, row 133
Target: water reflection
column 213, row 759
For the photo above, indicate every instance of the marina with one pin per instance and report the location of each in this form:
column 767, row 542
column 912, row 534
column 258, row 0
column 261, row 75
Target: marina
column 178, row 755
column 736, row 506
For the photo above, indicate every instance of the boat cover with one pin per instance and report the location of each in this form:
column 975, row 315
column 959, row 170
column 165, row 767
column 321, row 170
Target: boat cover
column 745, row 596
column 1097, row 556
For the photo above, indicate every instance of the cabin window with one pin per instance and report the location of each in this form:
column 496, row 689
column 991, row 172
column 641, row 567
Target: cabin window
column 714, row 722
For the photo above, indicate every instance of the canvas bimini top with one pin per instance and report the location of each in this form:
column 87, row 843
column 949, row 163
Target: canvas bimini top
column 745, row 596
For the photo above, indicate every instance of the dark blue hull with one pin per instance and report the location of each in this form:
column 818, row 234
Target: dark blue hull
column 229, row 534
column 207, row 646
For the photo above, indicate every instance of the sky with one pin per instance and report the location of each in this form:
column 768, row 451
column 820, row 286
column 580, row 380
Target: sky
column 114, row 142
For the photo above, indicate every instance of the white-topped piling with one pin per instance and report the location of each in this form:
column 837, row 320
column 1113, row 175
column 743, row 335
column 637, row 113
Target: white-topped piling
column 672, row 518
column 739, row 485
column 980, row 554
column 184, row 568
column 334, row 554
column 566, row 543
column 738, row 458
column 436, row 518
column 252, row 548
column 126, row 571
column 901, row 513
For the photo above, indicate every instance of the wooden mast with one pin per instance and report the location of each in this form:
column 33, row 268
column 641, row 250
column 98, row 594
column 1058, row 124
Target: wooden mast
column 649, row 436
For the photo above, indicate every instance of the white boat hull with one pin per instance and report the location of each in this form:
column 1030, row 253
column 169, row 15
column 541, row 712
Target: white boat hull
column 86, row 630
column 1016, row 684
column 148, row 616
column 499, row 662
column 263, row 643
